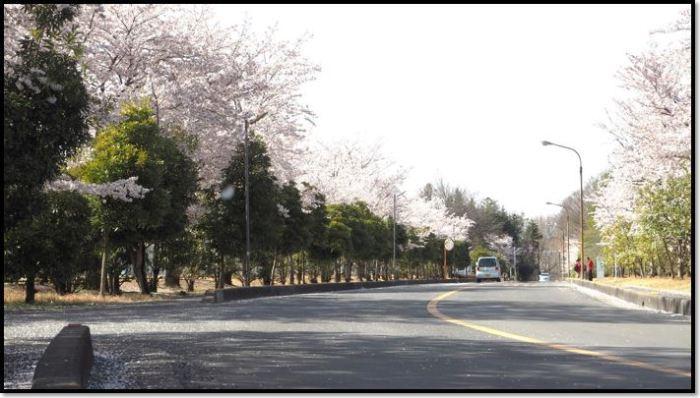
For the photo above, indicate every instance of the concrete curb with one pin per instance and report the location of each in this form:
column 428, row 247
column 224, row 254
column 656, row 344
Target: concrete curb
column 67, row 361
column 659, row 302
column 242, row 293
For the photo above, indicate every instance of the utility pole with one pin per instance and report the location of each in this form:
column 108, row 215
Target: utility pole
column 515, row 268
column 393, row 259
column 563, row 258
column 246, row 263
column 444, row 264
column 583, row 261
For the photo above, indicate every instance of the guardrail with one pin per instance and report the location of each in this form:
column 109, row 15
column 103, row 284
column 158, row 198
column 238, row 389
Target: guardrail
column 242, row 293
column 67, row 361
column 673, row 304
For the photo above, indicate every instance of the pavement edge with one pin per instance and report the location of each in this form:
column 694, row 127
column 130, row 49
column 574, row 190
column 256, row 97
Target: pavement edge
column 659, row 302
column 242, row 293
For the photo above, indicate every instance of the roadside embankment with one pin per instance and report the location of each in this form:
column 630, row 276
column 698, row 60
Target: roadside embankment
column 243, row 293
column 674, row 303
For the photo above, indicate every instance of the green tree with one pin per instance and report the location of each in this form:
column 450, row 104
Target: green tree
column 45, row 105
column 56, row 242
column 45, row 111
column 529, row 259
column 224, row 223
column 319, row 247
column 134, row 146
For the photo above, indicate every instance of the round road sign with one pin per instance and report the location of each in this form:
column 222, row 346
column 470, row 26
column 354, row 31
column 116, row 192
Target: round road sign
column 449, row 244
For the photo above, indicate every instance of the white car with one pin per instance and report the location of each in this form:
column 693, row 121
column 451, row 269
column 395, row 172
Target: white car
column 488, row 268
column 544, row 277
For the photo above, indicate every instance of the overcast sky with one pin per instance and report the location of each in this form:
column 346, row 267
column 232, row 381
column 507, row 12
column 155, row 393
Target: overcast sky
column 467, row 92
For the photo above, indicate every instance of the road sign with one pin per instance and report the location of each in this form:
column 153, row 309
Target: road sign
column 449, row 244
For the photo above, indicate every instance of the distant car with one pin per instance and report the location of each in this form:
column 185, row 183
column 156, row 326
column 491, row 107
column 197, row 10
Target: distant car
column 488, row 268
column 466, row 273
column 544, row 277
column 461, row 272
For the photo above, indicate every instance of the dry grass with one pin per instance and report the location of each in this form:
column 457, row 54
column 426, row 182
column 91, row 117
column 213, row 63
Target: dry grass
column 669, row 284
column 13, row 296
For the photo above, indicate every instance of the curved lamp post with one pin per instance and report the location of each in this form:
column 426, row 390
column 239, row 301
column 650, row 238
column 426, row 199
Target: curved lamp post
column 547, row 143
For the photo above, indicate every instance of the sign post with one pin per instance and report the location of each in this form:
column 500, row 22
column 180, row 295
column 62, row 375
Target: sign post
column 449, row 245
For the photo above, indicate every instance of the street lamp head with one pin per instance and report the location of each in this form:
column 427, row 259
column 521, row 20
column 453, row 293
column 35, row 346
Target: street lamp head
column 227, row 193
column 550, row 203
column 545, row 143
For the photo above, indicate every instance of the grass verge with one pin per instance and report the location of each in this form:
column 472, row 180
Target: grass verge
column 660, row 284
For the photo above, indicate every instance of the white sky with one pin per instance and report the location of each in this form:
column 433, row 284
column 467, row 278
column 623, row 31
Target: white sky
column 468, row 92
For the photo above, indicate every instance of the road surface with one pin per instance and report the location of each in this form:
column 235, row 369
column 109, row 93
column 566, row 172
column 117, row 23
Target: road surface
column 481, row 336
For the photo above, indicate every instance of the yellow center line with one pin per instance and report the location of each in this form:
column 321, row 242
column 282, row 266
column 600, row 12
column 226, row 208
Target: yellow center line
column 432, row 308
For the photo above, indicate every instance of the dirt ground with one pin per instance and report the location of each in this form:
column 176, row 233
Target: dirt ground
column 13, row 293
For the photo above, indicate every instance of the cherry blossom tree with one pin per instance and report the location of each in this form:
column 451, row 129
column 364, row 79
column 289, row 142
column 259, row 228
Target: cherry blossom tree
column 350, row 170
column 651, row 124
column 126, row 189
column 431, row 217
column 203, row 77
column 643, row 229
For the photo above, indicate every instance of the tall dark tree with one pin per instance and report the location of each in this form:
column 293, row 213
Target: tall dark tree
column 224, row 223
column 45, row 105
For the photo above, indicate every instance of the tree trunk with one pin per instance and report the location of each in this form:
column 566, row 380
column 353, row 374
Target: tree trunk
column 190, row 285
column 325, row 272
column 283, row 271
column 172, row 277
column 220, row 277
column 115, row 283
column 290, row 261
column 228, row 279
column 348, row 271
column 156, row 269
column 137, row 259
column 29, row 290
column 670, row 260
column 300, row 271
column 92, row 275
column 336, row 275
column 112, row 279
column 272, row 270
column 103, row 266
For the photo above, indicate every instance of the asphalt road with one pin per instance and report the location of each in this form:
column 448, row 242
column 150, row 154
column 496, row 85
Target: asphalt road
column 501, row 336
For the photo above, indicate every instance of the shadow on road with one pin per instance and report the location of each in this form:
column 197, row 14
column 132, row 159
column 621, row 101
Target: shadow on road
column 375, row 338
column 330, row 360
column 405, row 304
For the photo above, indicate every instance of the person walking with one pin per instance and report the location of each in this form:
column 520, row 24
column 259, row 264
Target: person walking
column 590, row 269
column 577, row 268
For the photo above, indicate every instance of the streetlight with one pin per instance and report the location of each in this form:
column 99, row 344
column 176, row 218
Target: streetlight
column 568, row 242
column 393, row 253
column 547, row 143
